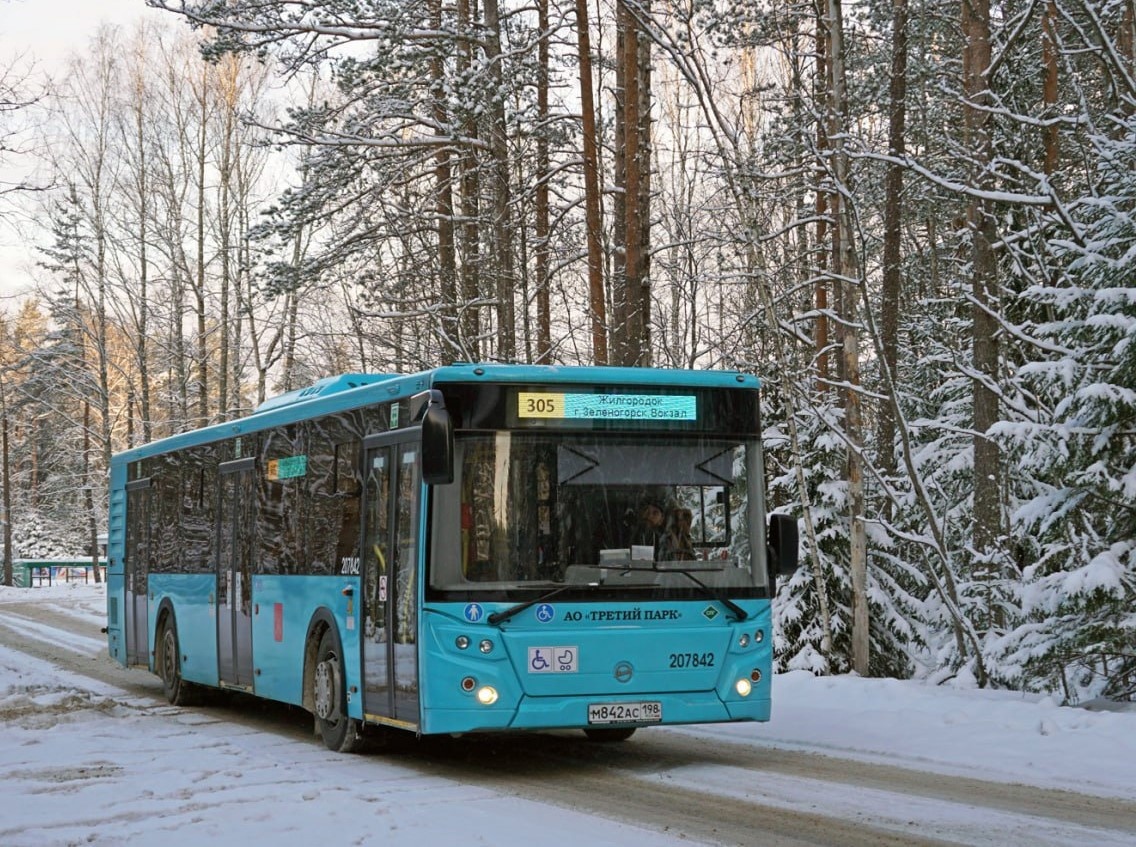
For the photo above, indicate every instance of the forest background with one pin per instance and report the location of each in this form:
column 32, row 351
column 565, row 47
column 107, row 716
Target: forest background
column 915, row 220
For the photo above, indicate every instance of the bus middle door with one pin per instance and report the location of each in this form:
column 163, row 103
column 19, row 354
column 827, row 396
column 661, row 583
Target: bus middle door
column 391, row 485
column 139, row 504
column 234, row 576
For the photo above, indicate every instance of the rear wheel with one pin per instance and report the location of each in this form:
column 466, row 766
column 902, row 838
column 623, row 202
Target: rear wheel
column 607, row 734
column 329, row 696
column 168, row 661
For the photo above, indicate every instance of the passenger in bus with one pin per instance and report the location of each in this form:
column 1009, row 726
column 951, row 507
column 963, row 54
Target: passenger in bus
column 677, row 544
column 649, row 531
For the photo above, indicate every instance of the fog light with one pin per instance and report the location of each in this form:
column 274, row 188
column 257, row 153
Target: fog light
column 461, row 642
column 487, row 695
column 468, row 684
column 743, row 687
column 743, row 640
column 486, row 646
column 755, row 675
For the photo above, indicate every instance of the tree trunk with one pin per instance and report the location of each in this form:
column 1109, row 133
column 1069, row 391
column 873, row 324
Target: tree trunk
column 592, row 207
column 847, row 268
column 6, row 480
column 228, row 71
column 632, row 293
column 143, row 304
column 543, row 307
column 892, row 282
column 504, row 281
column 1049, row 92
column 199, row 286
column 980, row 222
column 821, row 287
column 444, row 206
column 89, row 495
column 1127, row 47
column 469, row 325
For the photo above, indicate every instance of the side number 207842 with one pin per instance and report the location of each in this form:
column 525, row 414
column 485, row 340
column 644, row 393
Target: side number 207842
column 692, row 660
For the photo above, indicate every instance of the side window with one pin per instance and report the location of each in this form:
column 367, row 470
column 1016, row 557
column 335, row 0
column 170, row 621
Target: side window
column 335, row 488
column 283, row 501
column 376, row 546
column 198, row 509
column 138, row 531
column 407, row 527
column 166, row 552
column 374, row 419
column 477, row 523
column 400, row 414
column 348, row 494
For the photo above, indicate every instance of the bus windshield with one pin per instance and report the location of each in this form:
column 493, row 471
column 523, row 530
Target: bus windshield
column 542, row 510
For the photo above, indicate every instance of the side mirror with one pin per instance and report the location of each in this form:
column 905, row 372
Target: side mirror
column 783, row 543
column 437, row 438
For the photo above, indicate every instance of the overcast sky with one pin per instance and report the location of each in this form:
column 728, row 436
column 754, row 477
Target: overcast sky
column 51, row 29
column 43, row 33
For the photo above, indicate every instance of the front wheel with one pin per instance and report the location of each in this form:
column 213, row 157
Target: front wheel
column 329, row 695
column 609, row 735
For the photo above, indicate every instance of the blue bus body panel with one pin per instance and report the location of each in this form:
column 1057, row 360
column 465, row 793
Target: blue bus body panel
column 192, row 597
column 115, row 574
column 686, row 655
column 283, row 609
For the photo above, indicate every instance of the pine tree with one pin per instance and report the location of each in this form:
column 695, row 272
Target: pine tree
column 1079, row 592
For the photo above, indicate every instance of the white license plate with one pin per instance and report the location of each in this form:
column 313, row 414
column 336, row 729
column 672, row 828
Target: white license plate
column 650, row 711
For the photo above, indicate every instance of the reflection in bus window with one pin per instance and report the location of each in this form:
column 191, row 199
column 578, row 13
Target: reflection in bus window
column 537, row 507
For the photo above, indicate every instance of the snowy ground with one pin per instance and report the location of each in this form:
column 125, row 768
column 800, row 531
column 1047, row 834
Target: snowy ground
column 82, row 762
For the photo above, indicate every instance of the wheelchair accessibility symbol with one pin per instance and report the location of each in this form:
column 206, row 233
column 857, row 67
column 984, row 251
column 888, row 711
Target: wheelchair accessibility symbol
column 553, row 659
column 545, row 612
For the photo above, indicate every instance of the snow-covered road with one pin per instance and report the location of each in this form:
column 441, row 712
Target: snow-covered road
column 90, row 754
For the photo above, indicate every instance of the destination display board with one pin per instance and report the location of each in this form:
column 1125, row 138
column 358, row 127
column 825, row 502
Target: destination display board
column 604, row 408
column 567, row 406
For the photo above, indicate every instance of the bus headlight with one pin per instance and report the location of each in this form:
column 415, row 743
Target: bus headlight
column 486, row 646
column 487, row 695
column 743, row 687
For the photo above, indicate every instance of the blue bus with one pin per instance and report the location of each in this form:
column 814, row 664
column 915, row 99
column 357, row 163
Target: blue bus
column 474, row 548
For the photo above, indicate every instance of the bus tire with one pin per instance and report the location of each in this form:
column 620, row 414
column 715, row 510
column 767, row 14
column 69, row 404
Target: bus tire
column 168, row 660
column 329, row 696
column 609, row 734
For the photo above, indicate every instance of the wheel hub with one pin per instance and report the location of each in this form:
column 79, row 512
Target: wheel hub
column 169, row 656
column 326, row 688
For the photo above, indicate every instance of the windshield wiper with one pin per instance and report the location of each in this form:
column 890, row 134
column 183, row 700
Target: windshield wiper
column 505, row 614
column 739, row 613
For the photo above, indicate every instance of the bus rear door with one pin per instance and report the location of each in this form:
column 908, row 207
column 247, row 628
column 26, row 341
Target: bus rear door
column 390, row 554
column 137, row 569
column 234, row 578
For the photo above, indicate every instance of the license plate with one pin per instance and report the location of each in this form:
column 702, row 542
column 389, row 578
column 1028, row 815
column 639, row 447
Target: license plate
column 650, row 711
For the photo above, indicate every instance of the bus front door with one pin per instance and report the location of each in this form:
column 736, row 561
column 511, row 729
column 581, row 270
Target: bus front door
column 390, row 554
column 137, row 569
column 234, row 577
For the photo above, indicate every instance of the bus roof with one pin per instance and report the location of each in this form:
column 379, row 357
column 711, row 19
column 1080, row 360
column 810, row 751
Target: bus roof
column 349, row 391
